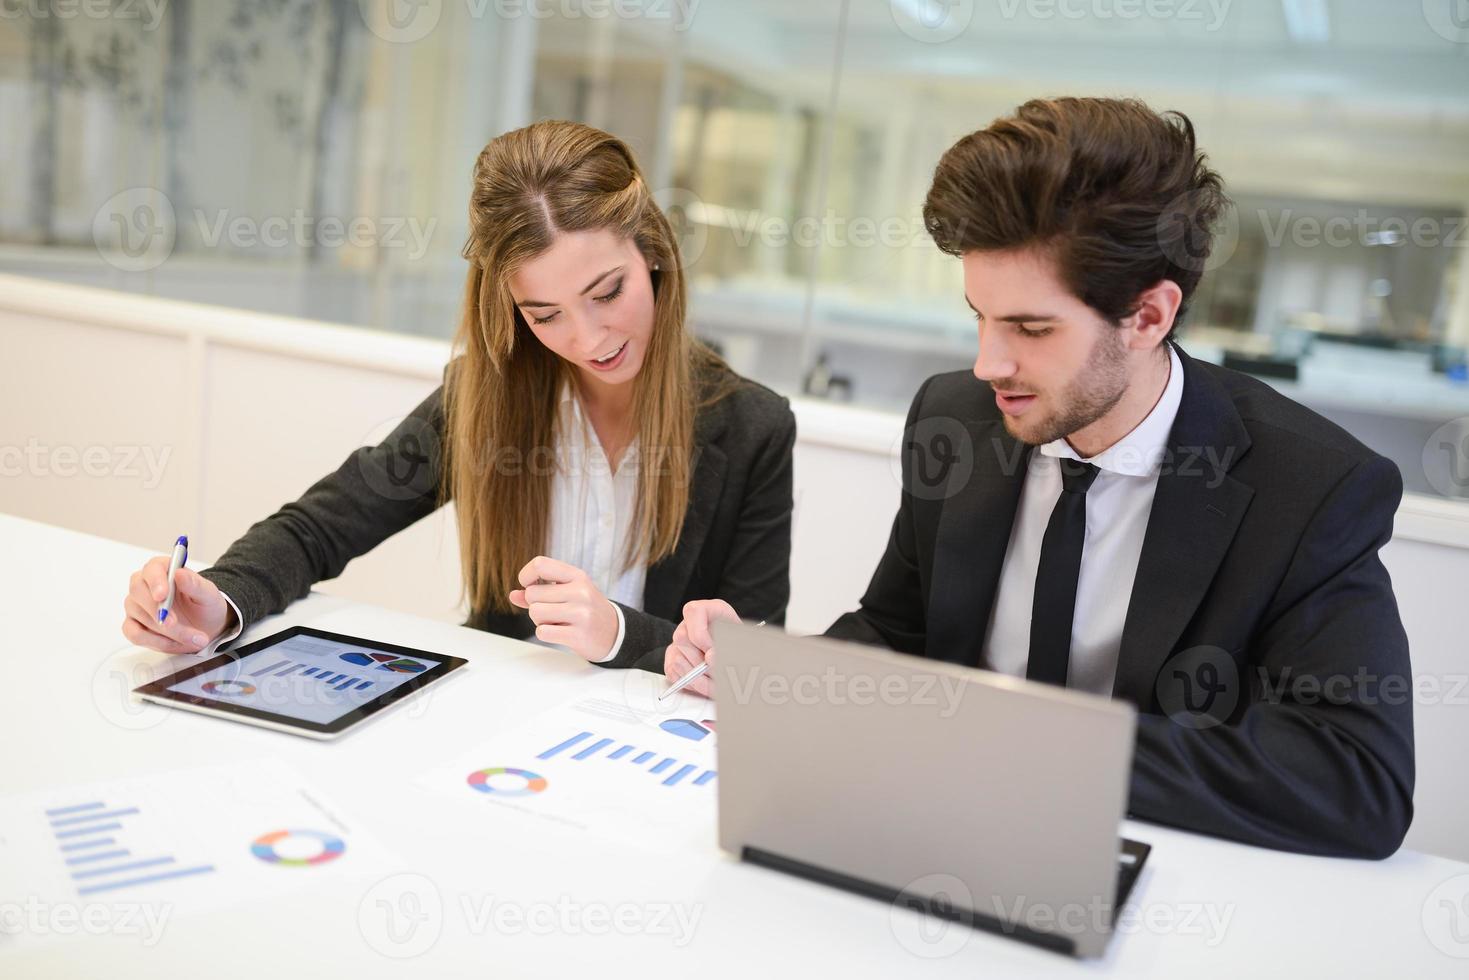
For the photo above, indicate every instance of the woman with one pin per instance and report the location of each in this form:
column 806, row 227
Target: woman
column 605, row 467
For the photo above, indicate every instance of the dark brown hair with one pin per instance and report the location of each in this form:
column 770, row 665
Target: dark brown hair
column 1117, row 194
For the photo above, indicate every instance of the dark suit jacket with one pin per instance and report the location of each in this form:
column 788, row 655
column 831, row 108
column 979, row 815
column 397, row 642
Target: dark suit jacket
column 736, row 541
column 1262, row 644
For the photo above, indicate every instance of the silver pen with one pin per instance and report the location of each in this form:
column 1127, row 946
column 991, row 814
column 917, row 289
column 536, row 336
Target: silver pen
column 690, row 677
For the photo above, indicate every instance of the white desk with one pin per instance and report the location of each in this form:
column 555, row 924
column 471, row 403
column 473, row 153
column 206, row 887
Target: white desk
column 61, row 606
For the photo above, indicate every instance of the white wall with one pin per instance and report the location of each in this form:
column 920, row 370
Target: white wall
column 198, row 420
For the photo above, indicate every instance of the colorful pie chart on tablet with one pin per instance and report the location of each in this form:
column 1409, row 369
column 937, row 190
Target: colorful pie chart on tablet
column 384, row 661
column 231, row 689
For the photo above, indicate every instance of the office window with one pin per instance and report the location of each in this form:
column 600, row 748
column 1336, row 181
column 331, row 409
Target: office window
column 314, row 159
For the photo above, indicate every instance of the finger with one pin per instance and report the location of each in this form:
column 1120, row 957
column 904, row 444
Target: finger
column 191, row 585
column 517, row 598
column 140, row 606
column 702, row 686
column 562, row 635
column 547, row 569
column 702, row 615
column 676, row 662
column 553, row 614
column 697, row 621
column 551, row 593
column 155, row 576
column 140, row 636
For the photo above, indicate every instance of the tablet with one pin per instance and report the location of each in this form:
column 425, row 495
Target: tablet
column 302, row 680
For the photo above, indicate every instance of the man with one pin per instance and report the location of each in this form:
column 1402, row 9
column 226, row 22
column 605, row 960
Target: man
column 1093, row 508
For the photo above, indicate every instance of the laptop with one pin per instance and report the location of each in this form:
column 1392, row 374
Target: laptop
column 970, row 795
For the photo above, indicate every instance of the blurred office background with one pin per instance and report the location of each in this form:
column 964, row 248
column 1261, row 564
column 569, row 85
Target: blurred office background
column 201, row 151
column 230, row 242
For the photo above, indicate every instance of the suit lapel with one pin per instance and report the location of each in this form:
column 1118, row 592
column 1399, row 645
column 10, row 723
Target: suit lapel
column 969, row 550
column 1196, row 511
column 668, row 580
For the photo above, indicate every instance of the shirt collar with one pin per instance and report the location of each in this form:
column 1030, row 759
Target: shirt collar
column 1141, row 451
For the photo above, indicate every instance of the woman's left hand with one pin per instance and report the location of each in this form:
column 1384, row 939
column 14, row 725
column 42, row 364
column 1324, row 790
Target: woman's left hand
column 566, row 607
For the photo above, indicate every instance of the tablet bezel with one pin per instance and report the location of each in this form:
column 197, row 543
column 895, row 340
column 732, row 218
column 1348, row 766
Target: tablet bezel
column 158, row 690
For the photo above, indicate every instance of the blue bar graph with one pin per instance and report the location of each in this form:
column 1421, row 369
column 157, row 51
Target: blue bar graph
column 84, row 844
column 108, row 886
column 62, row 811
column 106, row 814
column 682, row 772
column 364, row 685
column 99, row 864
column 309, row 671
column 102, row 856
column 88, row 830
column 594, row 748
column 130, row 866
column 557, row 749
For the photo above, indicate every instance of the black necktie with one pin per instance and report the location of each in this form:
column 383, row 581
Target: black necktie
column 1055, row 577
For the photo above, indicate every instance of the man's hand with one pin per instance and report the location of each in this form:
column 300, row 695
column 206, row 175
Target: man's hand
column 567, row 608
column 693, row 645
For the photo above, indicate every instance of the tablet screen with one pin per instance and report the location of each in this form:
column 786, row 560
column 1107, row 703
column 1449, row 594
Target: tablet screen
column 312, row 677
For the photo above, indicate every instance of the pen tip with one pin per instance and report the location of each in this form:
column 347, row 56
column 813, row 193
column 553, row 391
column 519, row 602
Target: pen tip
column 183, row 540
column 162, row 615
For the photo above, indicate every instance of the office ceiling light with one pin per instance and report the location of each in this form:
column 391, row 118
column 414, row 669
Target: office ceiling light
column 1307, row 21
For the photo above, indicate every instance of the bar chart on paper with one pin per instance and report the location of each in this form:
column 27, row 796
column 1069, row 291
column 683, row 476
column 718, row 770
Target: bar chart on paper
column 195, row 838
column 94, row 843
column 671, row 770
column 597, row 766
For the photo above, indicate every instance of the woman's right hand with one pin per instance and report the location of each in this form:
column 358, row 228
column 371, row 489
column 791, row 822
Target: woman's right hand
column 199, row 612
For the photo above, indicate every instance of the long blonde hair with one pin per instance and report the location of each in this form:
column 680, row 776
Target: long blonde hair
column 500, row 401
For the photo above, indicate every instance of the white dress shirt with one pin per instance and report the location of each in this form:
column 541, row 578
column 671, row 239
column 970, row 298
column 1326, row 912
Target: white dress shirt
column 591, row 517
column 1117, row 508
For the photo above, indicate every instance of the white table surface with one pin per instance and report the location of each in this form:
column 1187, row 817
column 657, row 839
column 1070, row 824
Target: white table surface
column 61, row 605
